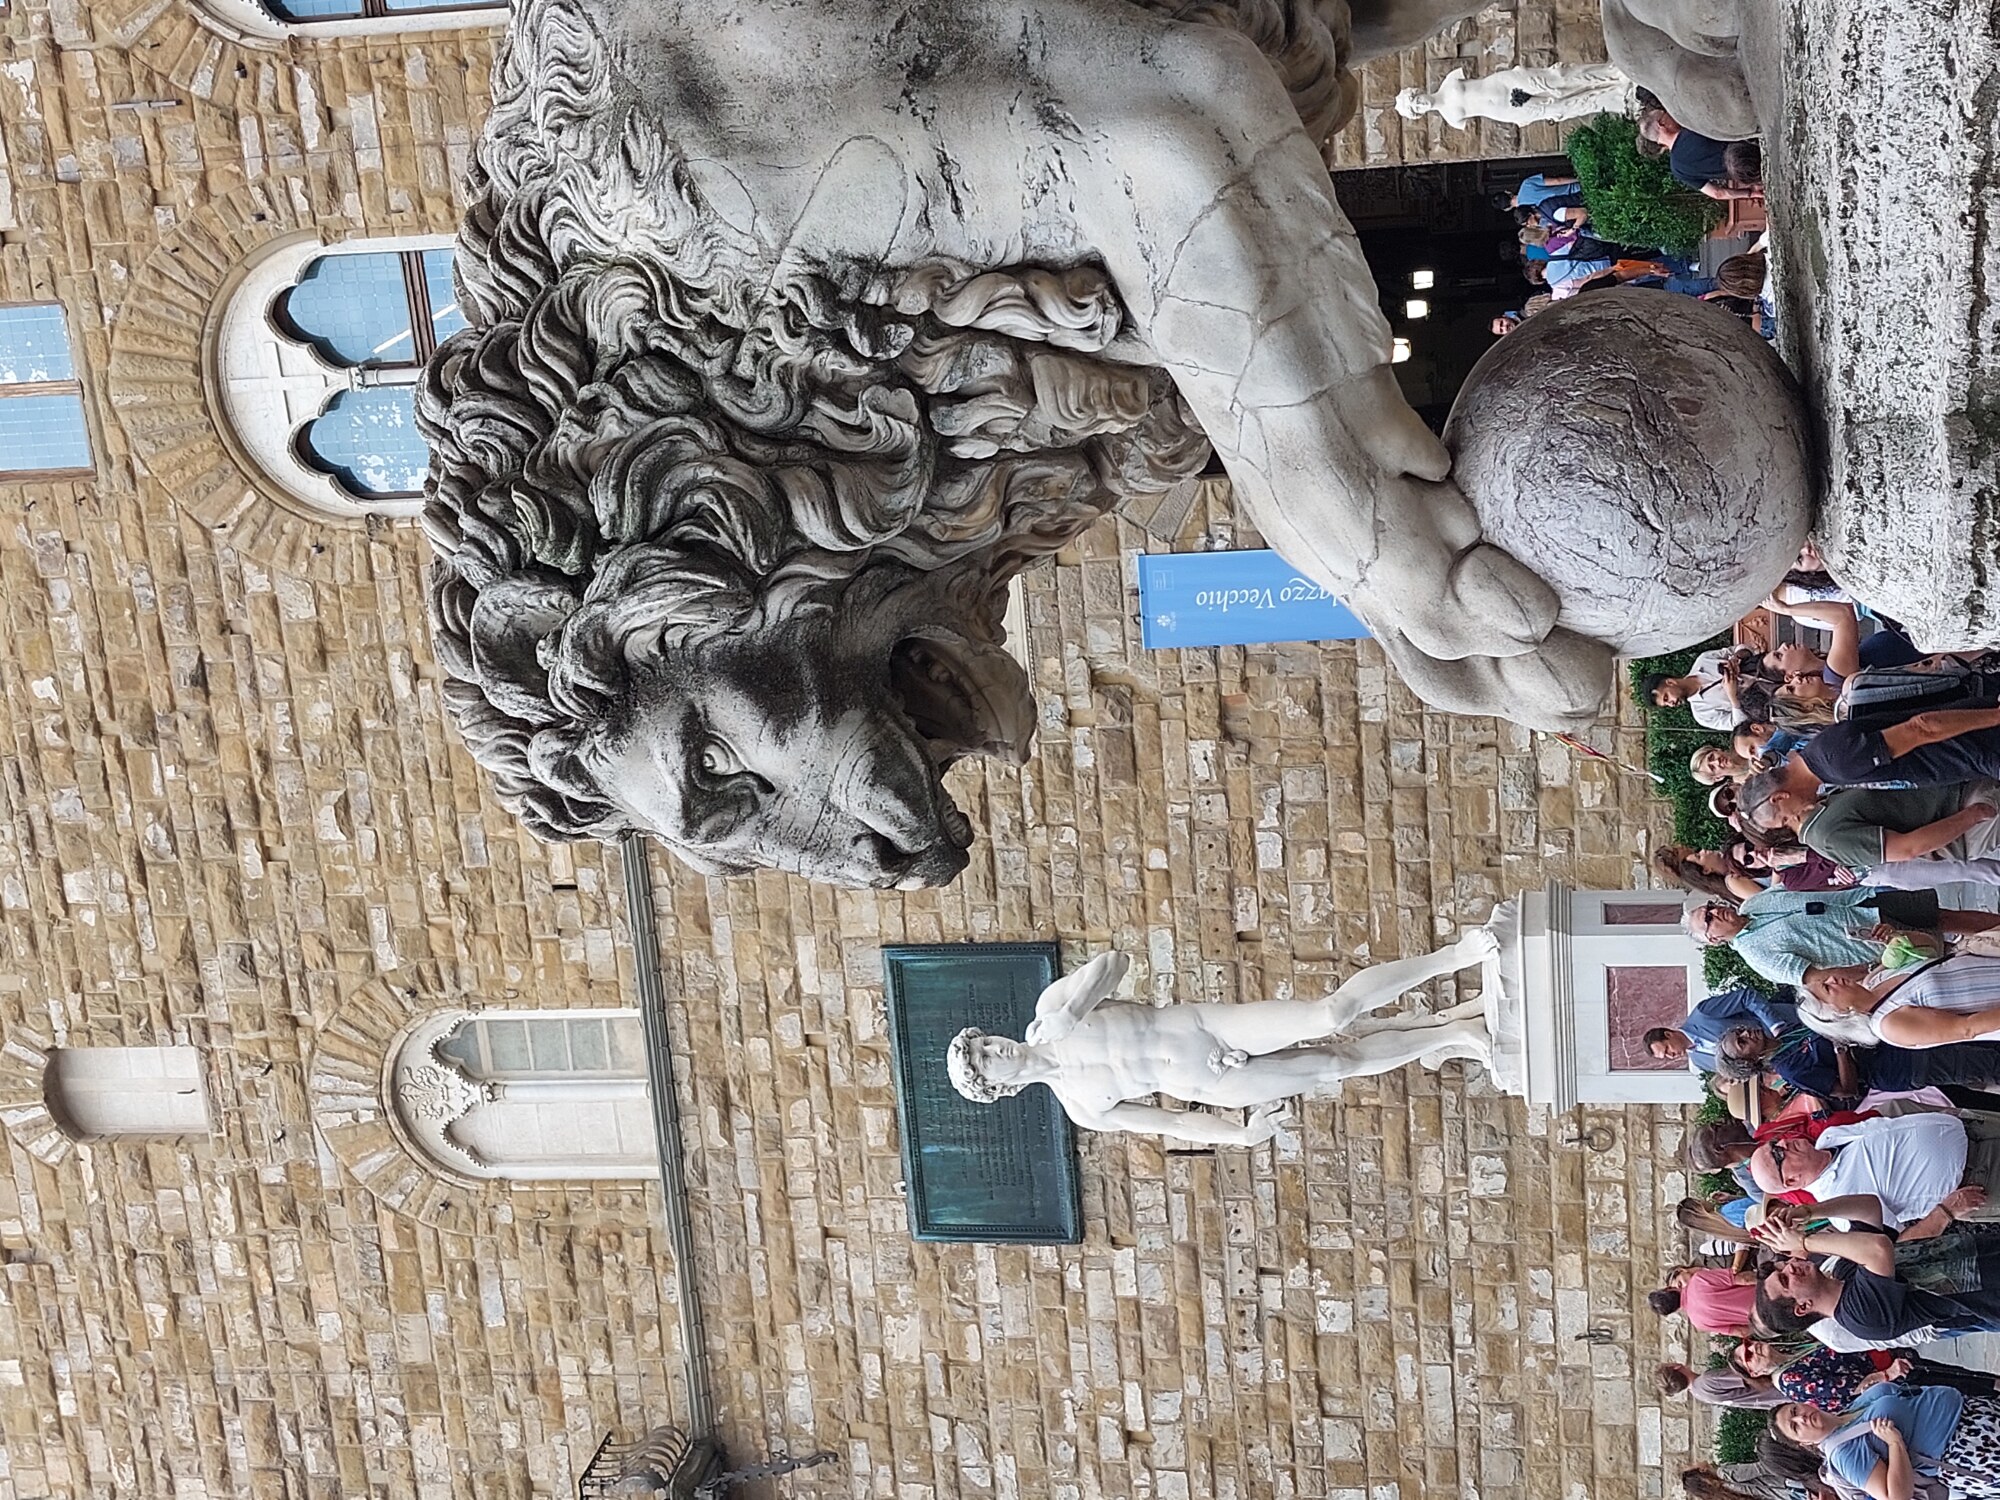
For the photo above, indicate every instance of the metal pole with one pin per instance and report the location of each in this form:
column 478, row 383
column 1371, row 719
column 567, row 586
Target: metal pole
column 667, row 1126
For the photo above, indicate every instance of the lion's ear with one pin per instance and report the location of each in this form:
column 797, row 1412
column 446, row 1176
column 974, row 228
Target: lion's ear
column 512, row 618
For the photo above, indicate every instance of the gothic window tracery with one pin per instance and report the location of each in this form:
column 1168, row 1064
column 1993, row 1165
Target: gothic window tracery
column 269, row 23
column 379, row 314
column 528, row 1095
column 319, row 353
column 346, row 10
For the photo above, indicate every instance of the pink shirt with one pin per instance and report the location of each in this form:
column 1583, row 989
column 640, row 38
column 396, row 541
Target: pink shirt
column 1715, row 1303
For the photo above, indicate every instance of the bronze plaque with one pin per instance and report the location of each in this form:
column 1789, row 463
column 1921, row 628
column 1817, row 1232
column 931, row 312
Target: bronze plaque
column 1001, row 1172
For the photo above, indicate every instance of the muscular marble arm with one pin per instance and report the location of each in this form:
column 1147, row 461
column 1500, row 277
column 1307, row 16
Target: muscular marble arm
column 1066, row 1002
column 1250, row 285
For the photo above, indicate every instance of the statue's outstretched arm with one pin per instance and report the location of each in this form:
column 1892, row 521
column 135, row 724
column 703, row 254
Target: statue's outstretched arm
column 1250, row 286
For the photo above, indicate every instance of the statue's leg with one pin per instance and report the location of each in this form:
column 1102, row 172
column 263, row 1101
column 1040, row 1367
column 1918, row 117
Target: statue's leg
column 1381, row 984
column 1477, row 1049
column 1465, row 1010
column 1319, row 1070
column 1262, row 1026
column 1429, row 1045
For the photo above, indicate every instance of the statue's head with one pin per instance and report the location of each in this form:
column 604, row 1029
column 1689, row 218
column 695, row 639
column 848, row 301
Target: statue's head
column 1414, row 104
column 722, row 547
column 982, row 1067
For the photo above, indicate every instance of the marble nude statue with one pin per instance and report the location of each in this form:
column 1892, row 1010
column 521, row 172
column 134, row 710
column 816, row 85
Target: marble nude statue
column 799, row 328
column 1521, row 96
column 1099, row 1056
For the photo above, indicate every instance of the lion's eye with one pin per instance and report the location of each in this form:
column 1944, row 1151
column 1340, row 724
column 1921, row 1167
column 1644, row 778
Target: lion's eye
column 719, row 761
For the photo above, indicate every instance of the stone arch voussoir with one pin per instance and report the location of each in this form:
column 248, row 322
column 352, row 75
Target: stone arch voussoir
column 24, row 1107
column 163, row 379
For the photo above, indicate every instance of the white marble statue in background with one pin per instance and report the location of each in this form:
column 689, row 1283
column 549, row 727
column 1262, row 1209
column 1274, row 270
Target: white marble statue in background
column 1098, row 1055
column 1522, row 96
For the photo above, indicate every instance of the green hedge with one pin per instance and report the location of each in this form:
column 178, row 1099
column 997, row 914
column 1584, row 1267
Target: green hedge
column 1633, row 199
column 1736, row 1434
column 1711, row 1109
column 1723, row 967
column 1672, row 736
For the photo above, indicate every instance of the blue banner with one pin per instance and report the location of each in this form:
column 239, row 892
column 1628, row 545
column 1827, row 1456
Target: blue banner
column 1235, row 599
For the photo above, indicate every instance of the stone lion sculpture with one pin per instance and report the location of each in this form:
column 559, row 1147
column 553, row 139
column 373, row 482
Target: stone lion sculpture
column 798, row 331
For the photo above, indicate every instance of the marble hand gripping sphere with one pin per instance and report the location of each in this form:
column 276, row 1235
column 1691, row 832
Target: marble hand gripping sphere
column 1646, row 454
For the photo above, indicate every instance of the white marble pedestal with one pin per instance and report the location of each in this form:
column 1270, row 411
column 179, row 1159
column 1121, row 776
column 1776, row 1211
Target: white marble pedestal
column 1579, row 975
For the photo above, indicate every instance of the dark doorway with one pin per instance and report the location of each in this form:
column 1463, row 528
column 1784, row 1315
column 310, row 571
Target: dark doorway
column 1439, row 219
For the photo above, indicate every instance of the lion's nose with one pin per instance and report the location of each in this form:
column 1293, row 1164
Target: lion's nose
column 938, row 865
column 891, row 791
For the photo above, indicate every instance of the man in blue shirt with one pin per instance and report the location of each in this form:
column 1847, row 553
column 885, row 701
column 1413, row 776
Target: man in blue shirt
column 1695, row 1039
column 1781, row 934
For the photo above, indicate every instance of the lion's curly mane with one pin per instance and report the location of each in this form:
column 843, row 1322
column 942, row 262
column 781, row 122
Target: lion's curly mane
column 633, row 451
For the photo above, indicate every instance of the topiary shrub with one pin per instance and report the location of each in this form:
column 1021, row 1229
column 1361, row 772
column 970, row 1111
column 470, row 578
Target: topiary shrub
column 1671, row 737
column 1633, row 199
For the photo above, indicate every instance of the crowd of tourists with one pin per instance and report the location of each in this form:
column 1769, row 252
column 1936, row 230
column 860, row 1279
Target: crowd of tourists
column 1562, row 253
column 1859, row 1058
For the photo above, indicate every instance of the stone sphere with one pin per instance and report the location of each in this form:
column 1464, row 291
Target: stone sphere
column 1646, row 453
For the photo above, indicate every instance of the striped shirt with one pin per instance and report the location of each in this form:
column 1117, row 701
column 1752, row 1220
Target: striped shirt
column 1964, row 984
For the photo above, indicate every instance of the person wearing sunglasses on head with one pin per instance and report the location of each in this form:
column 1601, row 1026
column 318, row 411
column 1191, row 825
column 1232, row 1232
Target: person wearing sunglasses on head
column 1915, row 1172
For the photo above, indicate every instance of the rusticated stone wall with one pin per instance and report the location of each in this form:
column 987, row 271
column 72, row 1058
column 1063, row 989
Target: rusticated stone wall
column 230, row 817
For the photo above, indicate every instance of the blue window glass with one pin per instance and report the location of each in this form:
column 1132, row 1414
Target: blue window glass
column 446, row 319
column 34, row 345
column 355, row 309
column 41, row 404
column 42, row 432
column 313, row 10
column 335, row 10
column 368, row 441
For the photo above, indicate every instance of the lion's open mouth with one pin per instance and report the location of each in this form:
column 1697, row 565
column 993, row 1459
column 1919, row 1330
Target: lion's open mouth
column 963, row 697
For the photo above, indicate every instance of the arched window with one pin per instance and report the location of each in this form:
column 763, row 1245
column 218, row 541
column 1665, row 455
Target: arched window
column 528, row 1095
column 269, row 22
column 319, row 351
column 375, row 10
column 94, row 1093
column 379, row 314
